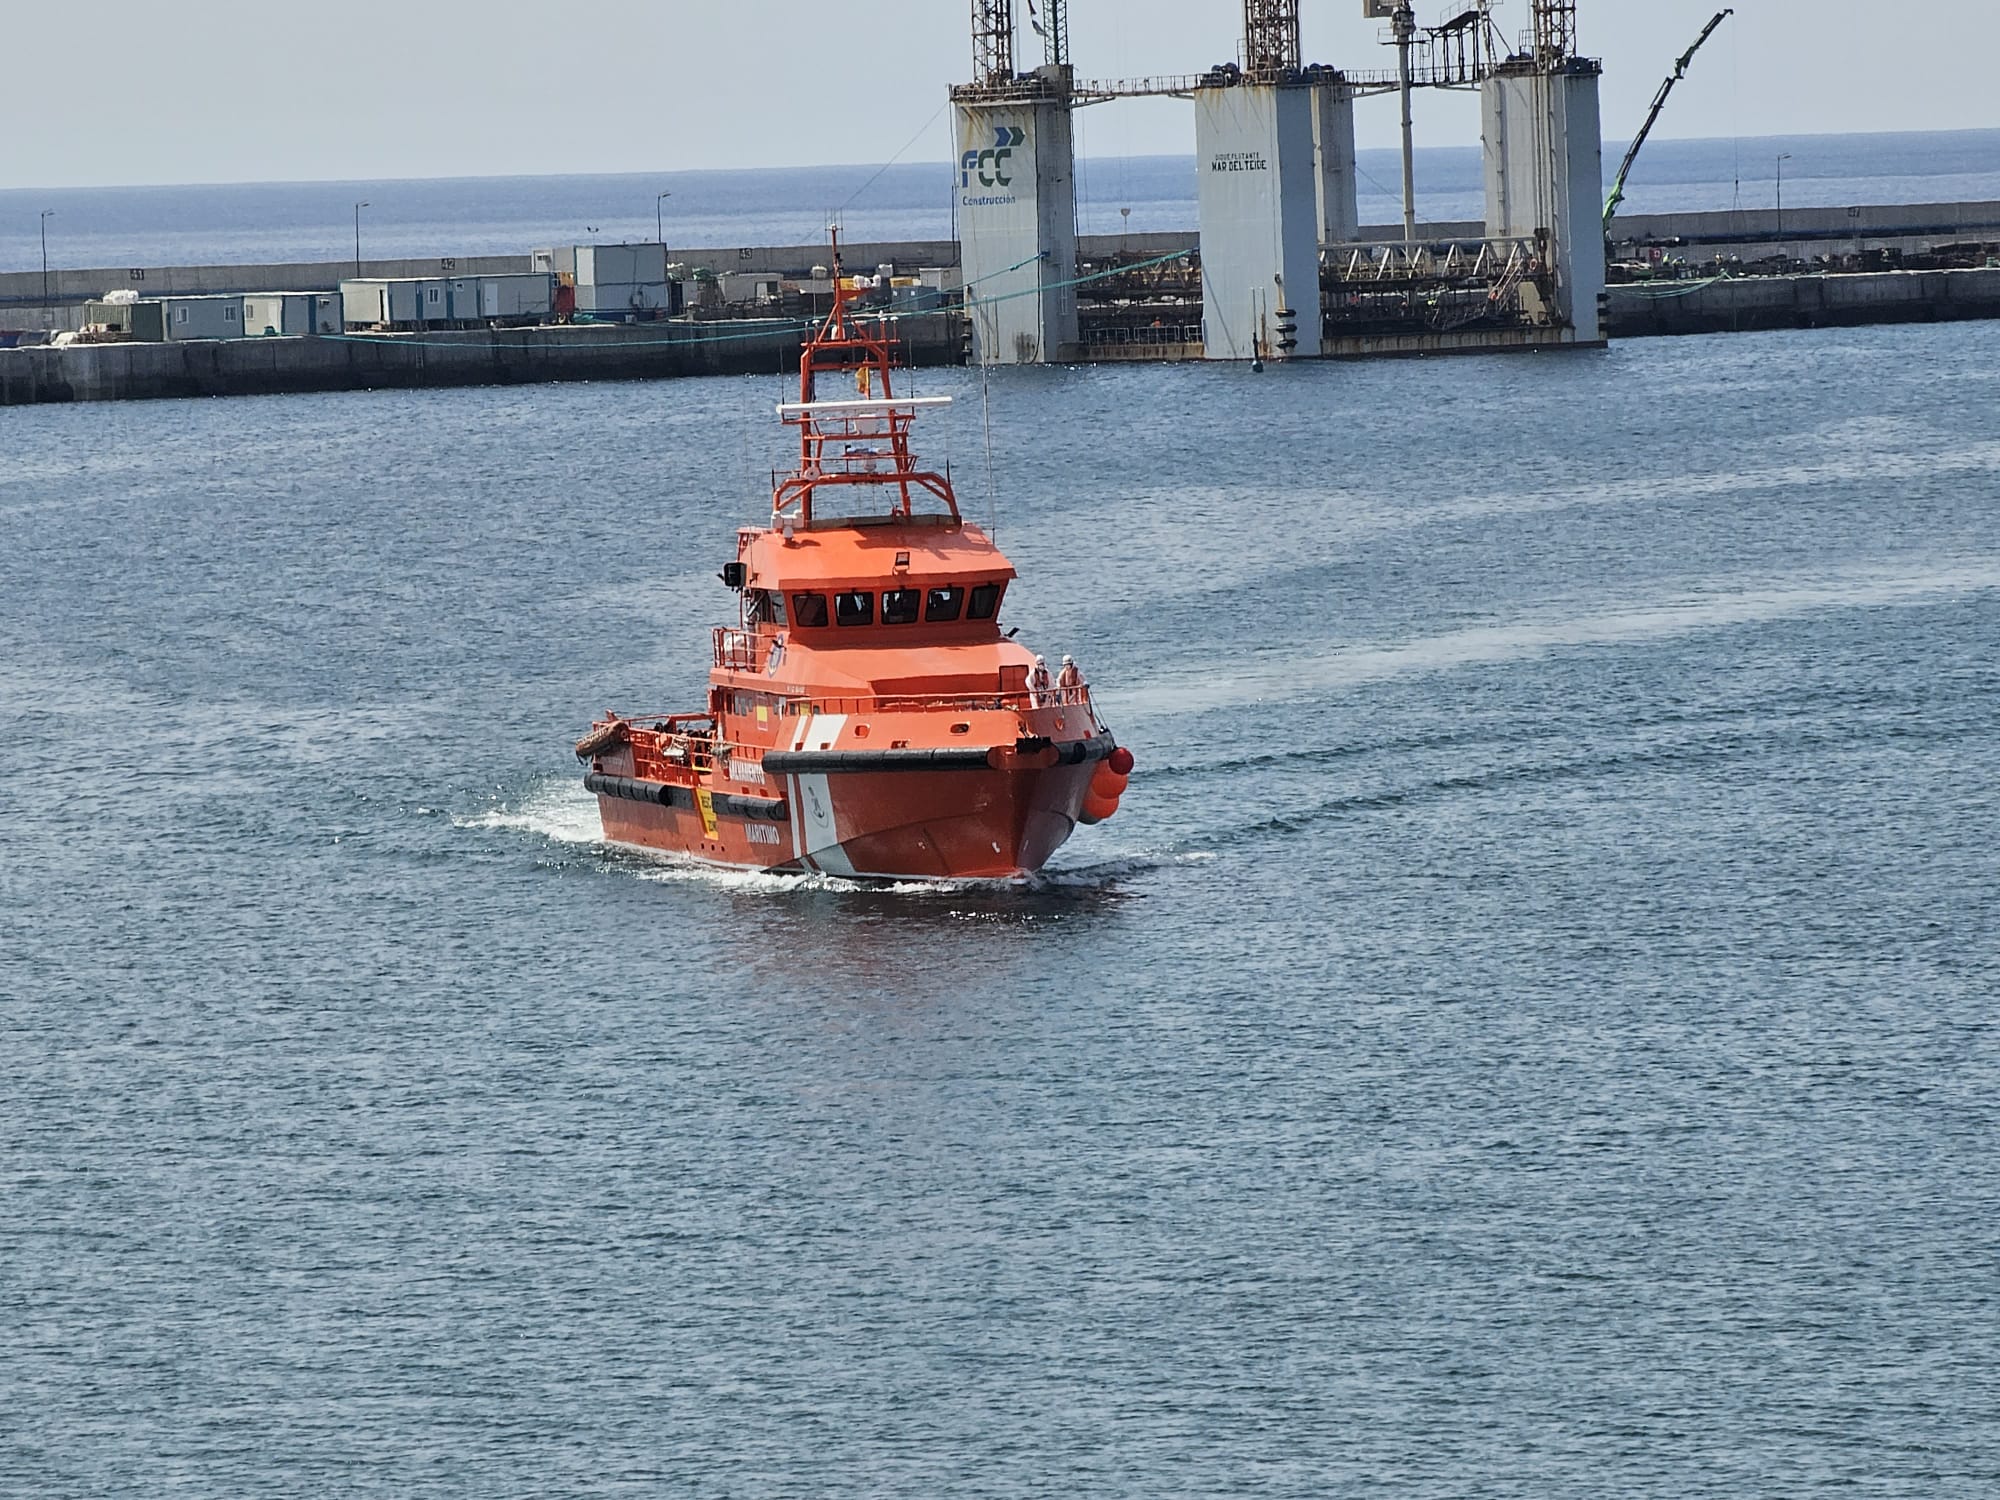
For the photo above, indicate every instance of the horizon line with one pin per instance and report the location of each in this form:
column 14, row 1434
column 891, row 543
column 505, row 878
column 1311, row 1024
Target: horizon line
column 859, row 166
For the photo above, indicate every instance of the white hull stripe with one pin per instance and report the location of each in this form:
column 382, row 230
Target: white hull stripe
column 817, row 819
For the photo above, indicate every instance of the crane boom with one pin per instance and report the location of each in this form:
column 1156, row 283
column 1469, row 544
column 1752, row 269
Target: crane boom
column 1659, row 103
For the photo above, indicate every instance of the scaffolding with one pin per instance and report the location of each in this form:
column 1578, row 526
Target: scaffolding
column 1555, row 31
column 992, row 42
column 1052, row 26
column 1271, row 37
column 1375, row 290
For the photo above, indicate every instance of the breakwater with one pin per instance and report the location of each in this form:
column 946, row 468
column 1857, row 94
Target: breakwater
column 1749, row 304
column 513, row 356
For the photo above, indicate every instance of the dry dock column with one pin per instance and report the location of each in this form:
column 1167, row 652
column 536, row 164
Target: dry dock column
column 1260, row 194
column 1544, row 178
column 1016, row 187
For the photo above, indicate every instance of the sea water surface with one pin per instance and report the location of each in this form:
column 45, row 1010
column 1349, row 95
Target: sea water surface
column 1529, row 1031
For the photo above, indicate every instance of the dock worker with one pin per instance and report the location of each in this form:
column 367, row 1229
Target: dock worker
column 1038, row 684
column 1069, row 682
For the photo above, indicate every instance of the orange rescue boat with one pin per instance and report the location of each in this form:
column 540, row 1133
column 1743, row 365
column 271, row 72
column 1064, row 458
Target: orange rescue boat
column 866, row 717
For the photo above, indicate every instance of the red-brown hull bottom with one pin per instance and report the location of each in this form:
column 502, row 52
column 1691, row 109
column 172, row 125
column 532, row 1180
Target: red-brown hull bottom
column 878, row 825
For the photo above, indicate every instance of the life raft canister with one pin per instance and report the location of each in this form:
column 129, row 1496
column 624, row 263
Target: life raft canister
column 617, row 732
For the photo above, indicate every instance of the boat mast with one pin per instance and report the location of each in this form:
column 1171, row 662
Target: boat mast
column 865, row 441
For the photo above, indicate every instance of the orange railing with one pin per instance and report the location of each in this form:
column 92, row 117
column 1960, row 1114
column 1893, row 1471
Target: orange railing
column 740, row 650
column 864, row 703
column 672, row 756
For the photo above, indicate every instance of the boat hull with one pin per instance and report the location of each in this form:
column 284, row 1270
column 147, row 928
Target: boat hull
column 951, row 823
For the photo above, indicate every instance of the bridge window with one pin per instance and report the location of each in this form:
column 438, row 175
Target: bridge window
column 947, row 603
column 985, row 602
column 899, row 606
column 854, row 608
column 765, row 605
column 809, row 610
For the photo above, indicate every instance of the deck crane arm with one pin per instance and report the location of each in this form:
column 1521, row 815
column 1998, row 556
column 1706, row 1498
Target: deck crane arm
column 1652, row 117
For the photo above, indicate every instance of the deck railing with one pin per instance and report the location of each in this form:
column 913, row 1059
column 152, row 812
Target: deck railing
column 1017, row 700
column 739, row 650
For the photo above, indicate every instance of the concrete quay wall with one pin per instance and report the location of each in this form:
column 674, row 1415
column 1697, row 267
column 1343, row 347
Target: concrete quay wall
column 1750, row 304
column 517, row 356
column 1806, row 233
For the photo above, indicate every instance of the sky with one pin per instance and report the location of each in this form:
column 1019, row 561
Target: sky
column 112, row 92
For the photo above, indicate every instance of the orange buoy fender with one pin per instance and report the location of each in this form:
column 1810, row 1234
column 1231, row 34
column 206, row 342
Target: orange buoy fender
column 1096, row 809
column 1120, row 761
column 1107, row 783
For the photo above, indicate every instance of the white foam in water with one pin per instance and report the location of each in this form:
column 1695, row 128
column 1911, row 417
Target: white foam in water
column 561, row 811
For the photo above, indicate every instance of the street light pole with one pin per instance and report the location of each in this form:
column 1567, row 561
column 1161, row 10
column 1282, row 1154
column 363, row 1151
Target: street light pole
column 357, row 236
column 47, row 214
column 660, row 218
column 1787, row 156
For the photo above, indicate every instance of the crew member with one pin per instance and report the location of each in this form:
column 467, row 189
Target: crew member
column 1038, row 684
column 1069, row 682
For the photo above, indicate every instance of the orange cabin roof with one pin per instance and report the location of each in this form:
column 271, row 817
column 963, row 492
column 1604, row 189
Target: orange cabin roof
column 924, row 550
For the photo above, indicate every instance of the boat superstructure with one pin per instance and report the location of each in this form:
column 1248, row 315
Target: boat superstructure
column 866, row 716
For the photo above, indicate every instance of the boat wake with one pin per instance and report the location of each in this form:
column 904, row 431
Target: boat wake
column 558, row 809
column 1633, row 622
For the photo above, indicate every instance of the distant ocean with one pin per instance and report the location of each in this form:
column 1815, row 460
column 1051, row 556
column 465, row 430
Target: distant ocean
column 267, row 222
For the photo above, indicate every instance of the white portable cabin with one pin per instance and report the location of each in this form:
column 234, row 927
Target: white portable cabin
column 205, row 317
column 462, row 299
column 751, row 286
column 519, row 294
column 395, row 302
column 524, row 295
column 291, row 314
column 376, row 302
